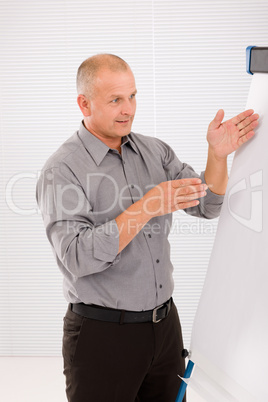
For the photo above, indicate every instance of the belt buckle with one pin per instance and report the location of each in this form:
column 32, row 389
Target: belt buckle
column 155, row 312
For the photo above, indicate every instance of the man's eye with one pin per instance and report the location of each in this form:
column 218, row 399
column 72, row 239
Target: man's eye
column 115, row 100
column 132, row 96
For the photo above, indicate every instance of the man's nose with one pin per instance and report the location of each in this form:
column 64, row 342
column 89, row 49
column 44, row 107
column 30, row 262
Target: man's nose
column 128, row 108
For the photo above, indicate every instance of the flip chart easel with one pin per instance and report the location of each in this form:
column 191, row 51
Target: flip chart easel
column 253, row 227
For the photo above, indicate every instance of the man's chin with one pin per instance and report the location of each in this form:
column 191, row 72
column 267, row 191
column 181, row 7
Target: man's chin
column 124, row 131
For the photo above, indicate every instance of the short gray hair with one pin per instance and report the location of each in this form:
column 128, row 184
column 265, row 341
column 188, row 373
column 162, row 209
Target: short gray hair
column 88, row 70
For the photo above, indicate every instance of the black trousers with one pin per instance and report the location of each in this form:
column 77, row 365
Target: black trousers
column 122, row 363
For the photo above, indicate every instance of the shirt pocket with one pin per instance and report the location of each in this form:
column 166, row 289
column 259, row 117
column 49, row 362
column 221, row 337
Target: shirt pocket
column 72, row 328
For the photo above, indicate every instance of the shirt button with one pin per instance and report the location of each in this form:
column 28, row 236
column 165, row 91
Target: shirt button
column 157, row 261
column 132, row 186
column 149, row 235
column 160, row 286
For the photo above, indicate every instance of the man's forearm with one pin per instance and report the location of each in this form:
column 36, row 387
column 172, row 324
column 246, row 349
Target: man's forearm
column 130, row 223
column 162, row 199
column 216, row 174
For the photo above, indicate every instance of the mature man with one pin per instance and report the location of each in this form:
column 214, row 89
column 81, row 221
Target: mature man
column 107, row 197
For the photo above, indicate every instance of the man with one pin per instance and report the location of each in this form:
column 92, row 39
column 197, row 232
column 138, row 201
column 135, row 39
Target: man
column 107, row 197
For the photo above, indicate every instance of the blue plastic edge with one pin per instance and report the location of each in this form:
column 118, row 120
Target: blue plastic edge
column 248, row 58
column 183, row 385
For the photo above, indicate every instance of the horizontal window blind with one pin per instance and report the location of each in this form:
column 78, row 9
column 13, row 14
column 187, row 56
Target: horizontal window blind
column 188, row 58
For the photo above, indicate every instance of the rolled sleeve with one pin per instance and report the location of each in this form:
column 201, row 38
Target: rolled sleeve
column 81, row 246
column 210, row 205
column 106, row 241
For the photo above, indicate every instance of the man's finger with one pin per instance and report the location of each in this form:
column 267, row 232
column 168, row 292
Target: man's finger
column 249, row 121
column 242, row 116
column 190, row 197
column 184, row 191
column 189, row 204
column 248, row 128
column 245, row 138
column 185, row 182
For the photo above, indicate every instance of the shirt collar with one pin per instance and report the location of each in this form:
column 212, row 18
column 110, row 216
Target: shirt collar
column 96, row 147
column 128, row 140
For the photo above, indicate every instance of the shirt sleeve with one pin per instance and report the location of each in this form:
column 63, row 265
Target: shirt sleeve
column 81, row 246
column 210, row 205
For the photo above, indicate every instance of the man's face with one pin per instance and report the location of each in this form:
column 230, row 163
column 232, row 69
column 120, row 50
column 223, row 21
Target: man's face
column 113, row 104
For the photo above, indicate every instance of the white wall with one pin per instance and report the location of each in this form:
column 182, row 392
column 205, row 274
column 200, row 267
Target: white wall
column 189, row 60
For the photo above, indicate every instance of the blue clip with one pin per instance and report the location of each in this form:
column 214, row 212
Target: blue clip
column 248, row 58
column 183, row 385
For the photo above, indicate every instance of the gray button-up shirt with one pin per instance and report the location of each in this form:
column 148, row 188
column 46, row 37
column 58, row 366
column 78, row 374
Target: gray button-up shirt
column 82, row 188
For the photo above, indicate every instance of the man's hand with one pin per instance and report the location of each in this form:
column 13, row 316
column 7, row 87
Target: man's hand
column 169, row 196
column 162, row 199
column 225, row 138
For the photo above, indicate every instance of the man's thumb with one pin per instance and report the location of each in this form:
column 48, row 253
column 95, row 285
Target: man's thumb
column 217, row 120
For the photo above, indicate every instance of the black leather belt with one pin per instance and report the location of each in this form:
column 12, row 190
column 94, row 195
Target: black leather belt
column 122, row 316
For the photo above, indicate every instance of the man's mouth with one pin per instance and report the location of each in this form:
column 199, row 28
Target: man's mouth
column 122, row 121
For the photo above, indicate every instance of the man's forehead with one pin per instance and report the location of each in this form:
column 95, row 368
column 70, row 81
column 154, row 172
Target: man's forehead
column 106, row 74
column 115, row 82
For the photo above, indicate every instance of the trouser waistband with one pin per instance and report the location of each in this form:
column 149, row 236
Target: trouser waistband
column 122, row 316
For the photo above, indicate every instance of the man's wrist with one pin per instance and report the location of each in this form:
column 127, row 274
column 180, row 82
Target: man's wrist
column 213, row 155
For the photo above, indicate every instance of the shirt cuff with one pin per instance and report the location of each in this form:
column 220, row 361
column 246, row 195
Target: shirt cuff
column 211, row 197
column 106, row 241
column 210, row 205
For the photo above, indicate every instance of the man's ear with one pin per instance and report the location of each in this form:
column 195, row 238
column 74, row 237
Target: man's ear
column 84, row 105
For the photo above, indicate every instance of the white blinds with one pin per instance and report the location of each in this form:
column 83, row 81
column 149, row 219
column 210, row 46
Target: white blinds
column 189, row 60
